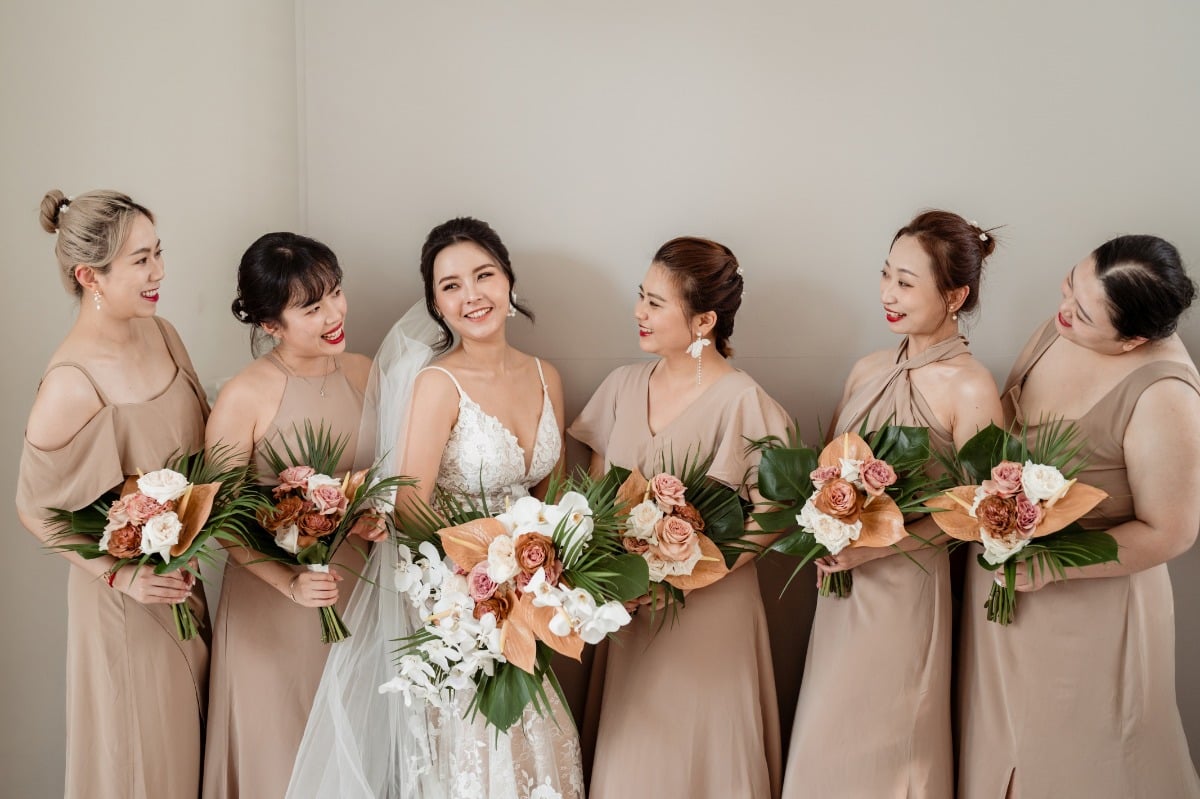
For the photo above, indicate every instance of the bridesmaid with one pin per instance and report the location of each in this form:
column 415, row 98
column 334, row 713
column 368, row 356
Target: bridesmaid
column 690, row 711
column 1077, row 696
column 877, row 672
column 267, row 650
column 120, row 395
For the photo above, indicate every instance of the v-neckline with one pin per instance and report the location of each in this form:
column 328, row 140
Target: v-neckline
column 686, row 409
column 527, row 456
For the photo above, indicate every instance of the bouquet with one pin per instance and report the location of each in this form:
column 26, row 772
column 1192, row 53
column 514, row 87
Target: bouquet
column 855, row 493
column 688, row 528
column 496, row 595
column 310, row 513
column 163, row 519
column 1021, row 503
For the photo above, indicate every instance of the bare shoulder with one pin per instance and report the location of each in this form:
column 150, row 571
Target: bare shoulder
column 66, row 401
column 357, row 368
column 434, row 385
column 1168, row 404
column 258, row 385
column 868, row 366
column 971, row 378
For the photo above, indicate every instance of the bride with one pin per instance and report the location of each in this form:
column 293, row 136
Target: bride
column 483, row 422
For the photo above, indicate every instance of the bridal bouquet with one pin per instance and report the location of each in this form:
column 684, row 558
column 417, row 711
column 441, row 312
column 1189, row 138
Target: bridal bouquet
column 852, row 494
column 310, row 513
column 688, row 528
column 1021, row 502
column 163, row 519
column 497, row 595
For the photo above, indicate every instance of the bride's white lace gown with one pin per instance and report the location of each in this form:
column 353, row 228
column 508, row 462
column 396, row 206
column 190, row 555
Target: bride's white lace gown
column 539, row 757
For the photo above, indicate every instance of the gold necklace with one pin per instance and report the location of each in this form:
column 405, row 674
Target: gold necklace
column 324, row 379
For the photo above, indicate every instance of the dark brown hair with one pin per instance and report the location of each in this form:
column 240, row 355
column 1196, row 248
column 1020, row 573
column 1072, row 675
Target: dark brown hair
column 957, row 248
column 1146, row 285
column 708, row 278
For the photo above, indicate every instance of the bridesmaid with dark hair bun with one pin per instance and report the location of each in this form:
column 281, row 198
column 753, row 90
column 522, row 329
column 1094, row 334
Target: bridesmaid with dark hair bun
column 119, row 396
column 1077, row 696
column 267, row 650
column 689, row 709
column 873, row 718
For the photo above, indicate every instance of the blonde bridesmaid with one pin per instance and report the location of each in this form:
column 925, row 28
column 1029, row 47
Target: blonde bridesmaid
column 873, row 718
column 689, row 711
column 119, row 395
column 1077, row 696
column 267, row 650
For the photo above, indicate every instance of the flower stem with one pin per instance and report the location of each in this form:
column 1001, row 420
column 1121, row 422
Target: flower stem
column 333, row 629
column 837, row 584
column 185, row 623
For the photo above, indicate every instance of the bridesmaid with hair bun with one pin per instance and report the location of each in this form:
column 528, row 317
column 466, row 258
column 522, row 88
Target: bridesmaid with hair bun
column 118, row 397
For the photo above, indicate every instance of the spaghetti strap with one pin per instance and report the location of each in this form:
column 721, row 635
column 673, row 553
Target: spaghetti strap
column 95, row 386
column 541, row 376
column 277, row 362
column 454, row 379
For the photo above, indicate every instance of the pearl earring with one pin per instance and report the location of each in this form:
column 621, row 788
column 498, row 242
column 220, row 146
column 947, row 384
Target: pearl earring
column 96, row 298
column 954, row 316
column 512, row 304
column 696, row 350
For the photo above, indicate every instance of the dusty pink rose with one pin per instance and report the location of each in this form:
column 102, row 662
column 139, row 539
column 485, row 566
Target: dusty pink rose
column 125, row 542
column 668, row 491
column 140, row 508
column 840, row 499
column 293, row 478
column 479, row 585
column 1006, row 479
column 328, row 499
column 823, row 474
column 675, row 539
column 1028, row 515
column 635, row 545
column 876, row 476
column 998, row 516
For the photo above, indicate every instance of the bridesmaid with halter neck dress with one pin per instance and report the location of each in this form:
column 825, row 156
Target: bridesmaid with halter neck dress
column 267, row 651
column 1077, row 696
column 120, row 395
column 873, row 718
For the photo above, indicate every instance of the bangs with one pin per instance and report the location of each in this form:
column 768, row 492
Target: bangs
column 311, row 281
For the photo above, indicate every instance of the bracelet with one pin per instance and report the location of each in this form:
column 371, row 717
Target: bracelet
column 292, row 589
column 110, row 576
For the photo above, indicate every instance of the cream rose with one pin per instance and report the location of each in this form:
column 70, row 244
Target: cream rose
column 998, row 550
column 502, row 560
column 161, row 533
column 1041, row 482
column 163, row 485
column 642, row 520
column 288, row 538
column 831, row 533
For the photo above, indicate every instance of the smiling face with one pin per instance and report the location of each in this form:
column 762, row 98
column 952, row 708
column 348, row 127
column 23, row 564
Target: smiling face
column 314, row 330
column 471, row 291
column 1083, row 314
column 130, row 287
column 664, row 323
column 912, row 304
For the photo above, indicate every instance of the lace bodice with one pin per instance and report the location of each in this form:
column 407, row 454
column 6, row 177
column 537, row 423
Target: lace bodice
column 483, row 459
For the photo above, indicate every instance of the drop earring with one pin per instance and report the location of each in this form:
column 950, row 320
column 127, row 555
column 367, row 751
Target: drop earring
column 954, row 316
column 96, row 298
column 696, row 350
column 512, row 304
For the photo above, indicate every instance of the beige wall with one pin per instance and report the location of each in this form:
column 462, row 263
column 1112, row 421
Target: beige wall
column 192, row 110
column 801, row 135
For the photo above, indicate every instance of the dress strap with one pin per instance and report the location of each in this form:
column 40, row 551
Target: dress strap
column 95, row 386
column 453, row 379
column 278, row 363
column 541, row 375
column 1118, row 405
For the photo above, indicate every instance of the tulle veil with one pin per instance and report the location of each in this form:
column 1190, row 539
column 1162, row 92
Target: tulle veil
column 359, row 743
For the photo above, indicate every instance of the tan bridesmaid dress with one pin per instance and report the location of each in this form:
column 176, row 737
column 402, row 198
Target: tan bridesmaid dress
column 1076, row 698
column 135, row 694
column 267, row 650
column 690, row 711
column 873, row 719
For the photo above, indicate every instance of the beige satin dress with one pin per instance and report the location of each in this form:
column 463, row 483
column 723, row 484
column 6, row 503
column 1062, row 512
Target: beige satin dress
column 135, row 694
column 873, row 719
column 690, row 711
column 1076, row 698
column 267, row 650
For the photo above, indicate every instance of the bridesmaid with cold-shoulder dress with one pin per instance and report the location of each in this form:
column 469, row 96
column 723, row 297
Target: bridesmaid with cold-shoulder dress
column 1076, row 698
column 120, row 395
column 267, row 650
column 688, row 710
column 873, row 718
